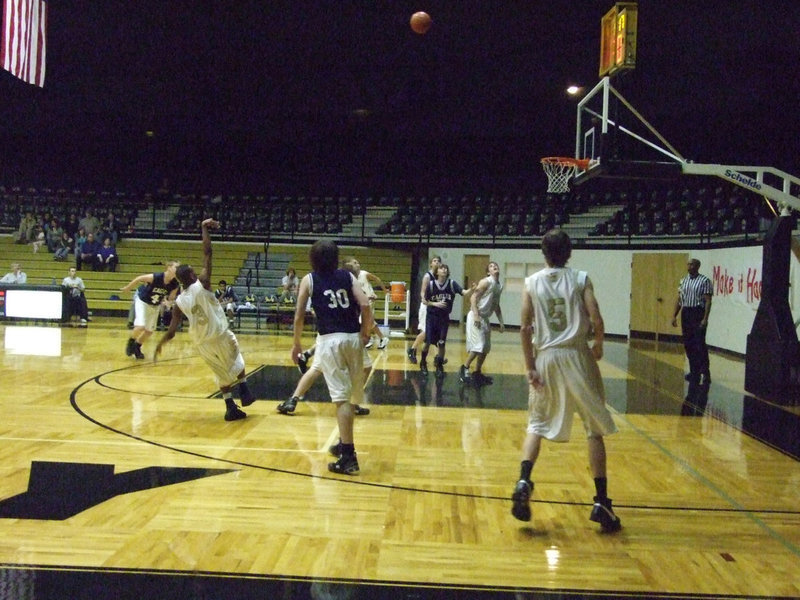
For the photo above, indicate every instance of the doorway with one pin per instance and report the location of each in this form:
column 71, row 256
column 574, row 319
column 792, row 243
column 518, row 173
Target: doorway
column 654, row 287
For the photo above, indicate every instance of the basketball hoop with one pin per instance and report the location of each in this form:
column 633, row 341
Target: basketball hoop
column 560, row 169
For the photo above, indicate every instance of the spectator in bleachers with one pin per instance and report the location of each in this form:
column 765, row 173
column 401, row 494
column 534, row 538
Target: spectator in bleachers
column 88, row 252
column 289, row 285
column 54, row 232
column 71, row 226
column 106, row 257
column 63, row 247
column 111, row 228
column 90, row 223
column 25, row 230
column 38, row 238
column 226, row 298
column 44, row 221
column 16, row 275
column 79, row 239
column 76, row 299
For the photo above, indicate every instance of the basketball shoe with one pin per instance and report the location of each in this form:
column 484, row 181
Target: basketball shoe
column 521, row 497
column 346, row 465
column 602, row 513
column 234, row 413
column 287, row 406
column 438, row 365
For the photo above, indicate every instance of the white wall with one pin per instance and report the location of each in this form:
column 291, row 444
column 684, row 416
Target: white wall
column 735, row 272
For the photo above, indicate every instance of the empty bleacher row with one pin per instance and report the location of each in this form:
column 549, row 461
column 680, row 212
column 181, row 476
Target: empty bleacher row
column 718, row 210
column 321, row 215
column 703, row 207
column 483, row 215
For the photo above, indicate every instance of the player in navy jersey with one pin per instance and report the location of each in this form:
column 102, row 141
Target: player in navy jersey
column 155, row 289
column 429, row 275
column 337, row 300
column 438, row 297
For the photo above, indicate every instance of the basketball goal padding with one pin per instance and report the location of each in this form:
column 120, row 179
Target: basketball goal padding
column 772, row 362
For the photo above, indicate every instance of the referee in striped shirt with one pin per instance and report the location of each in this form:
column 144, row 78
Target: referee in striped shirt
column 694, row 306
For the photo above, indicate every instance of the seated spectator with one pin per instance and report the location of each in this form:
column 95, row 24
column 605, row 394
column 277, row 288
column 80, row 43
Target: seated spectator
column 63, row 247
column 76, row 299
column 17, row 275
column 71, row 226
column 25, row 231
column 38, row 238
column 106, row 257
column 111, row 228
column 88, row 252
column 53, row 236
column 90, row 223
column 226, row 298
column 289, row 285
column 43, row 221
column 80, row 240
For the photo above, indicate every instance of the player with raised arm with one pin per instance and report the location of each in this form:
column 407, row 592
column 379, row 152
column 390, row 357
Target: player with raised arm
column 209, row 330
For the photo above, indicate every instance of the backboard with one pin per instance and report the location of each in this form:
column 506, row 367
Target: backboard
column 618, row 141
column 627, row 146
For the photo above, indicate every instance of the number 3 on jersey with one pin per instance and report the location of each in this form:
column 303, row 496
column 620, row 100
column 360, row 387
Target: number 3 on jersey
column 338, row 299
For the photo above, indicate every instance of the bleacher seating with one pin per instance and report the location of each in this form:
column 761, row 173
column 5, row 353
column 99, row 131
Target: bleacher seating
column 702, row 207
column 234, row 262
column 722, row 212
column 136, row 257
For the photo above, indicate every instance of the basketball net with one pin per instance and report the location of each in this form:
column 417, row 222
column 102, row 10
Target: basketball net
column 559, row 170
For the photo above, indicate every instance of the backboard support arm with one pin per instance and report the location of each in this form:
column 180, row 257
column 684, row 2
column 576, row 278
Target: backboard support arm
column 772, row 183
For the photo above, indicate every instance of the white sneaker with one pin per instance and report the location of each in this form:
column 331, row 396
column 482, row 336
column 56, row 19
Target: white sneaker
column 382, row 344
column 369, row 344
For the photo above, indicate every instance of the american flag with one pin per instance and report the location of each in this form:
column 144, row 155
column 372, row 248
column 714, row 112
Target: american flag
column 23, row 47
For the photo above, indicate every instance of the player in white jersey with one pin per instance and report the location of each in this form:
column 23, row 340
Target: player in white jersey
column 365, row 280
column 208, row 329
column 484, row 302
column 562, row 371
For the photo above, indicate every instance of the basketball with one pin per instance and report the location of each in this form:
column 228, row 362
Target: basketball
column 420, row 22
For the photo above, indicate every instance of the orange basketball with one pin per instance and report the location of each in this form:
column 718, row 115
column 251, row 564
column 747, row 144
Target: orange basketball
column 420, row 22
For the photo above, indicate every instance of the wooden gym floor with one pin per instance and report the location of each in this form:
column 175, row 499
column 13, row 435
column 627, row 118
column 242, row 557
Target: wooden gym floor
column 120, row 479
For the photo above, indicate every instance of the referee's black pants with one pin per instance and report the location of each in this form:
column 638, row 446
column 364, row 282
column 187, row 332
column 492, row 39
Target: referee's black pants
column 694, row 341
